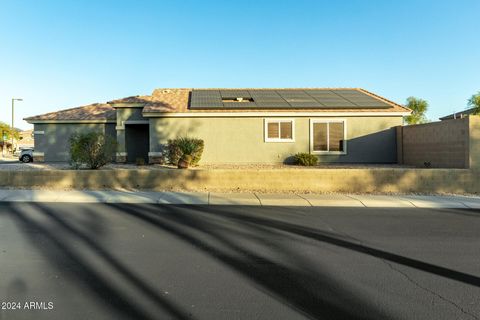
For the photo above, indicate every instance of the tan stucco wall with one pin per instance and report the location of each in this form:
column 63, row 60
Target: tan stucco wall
column 241, row 140
column 403, row 180
column 474, row 142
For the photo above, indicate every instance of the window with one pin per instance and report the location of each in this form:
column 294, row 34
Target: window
column 279, row 130
column 328, row 136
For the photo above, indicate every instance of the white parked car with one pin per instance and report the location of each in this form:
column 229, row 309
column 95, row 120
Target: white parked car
column 26, row 155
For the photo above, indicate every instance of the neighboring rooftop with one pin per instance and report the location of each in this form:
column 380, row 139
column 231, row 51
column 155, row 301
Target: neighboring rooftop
column 96, row 111
column 458, row 115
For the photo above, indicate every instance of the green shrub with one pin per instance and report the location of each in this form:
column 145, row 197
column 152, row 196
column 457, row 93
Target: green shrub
column 140, row 161
column 305, row 159
column 179, row 147
column 92, row 150
column 173, row 152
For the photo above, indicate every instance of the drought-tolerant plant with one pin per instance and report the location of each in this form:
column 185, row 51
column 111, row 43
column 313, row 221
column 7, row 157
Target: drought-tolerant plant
column 173, row 152
column 189, row 150
column 305, row 159
column 91, row 150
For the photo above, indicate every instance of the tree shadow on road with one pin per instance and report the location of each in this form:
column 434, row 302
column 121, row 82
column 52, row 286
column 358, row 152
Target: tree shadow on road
column 282, row 273
column 323, row 236
column 262, row 248
column 60, row 249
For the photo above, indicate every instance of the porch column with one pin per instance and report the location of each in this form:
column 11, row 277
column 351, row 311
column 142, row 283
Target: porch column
column 121, row 155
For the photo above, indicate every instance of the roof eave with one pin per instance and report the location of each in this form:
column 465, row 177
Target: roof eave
column 275, row 114
column 39, row 121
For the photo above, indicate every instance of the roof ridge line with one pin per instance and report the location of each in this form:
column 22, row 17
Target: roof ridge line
column 273, row 88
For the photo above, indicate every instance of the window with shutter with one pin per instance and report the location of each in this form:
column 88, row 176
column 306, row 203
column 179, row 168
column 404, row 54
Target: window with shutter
column 320, row 137
column 273, row 130
column 279, row 130
column 328, row 136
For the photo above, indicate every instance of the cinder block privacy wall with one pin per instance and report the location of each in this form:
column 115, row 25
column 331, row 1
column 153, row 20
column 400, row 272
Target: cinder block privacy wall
column 362, row 180
column 451, row 143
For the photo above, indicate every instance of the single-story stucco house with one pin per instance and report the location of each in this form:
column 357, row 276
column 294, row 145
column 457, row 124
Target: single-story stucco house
column 237, row 125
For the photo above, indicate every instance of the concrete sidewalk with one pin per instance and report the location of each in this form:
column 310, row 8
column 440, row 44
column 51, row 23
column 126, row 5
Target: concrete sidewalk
column 254, row 199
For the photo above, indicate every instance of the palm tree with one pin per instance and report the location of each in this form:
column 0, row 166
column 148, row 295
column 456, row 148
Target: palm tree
column 474, row 102
column 419, row 108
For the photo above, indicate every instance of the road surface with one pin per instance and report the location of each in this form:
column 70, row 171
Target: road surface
column 150, row 261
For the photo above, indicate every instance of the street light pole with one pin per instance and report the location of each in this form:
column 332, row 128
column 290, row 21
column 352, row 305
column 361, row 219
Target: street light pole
column 13, row 116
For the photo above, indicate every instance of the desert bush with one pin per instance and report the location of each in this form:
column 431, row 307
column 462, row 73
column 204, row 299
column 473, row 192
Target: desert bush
column 176, row 148
column 305, row 159
column 92, row 150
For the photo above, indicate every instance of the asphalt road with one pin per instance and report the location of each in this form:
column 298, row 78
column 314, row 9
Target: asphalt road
column 146, row 261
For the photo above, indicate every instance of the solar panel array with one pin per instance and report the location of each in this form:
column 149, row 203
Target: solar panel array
column 203, row 99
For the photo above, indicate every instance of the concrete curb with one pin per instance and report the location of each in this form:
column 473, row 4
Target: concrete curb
column 246, row 199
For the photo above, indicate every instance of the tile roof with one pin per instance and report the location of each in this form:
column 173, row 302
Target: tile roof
column 132, row 99
column 177, row 100
column 96, row 111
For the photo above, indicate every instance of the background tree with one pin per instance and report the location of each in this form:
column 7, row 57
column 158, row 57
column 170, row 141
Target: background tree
column 419, row 107
column 7, row 130
column 474, row 102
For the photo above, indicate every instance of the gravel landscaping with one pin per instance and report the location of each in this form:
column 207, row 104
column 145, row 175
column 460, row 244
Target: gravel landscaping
column 14, row 165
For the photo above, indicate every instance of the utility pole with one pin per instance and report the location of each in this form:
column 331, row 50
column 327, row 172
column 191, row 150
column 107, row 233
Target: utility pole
column 13, row 117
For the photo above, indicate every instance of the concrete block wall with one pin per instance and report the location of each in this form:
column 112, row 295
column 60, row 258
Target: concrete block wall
column 366, row 180
column 443, row 144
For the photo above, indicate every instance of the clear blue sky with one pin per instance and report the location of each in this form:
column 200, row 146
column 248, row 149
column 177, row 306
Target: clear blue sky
column 59, row 54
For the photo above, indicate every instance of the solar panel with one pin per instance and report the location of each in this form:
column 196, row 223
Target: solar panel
column 206, row 105
column 372, row 104
column 298, row 99
column 329, row 99
column 308, row 104
column 235, row 94
column 200, row 98
column 239, row 105
column 266, row 96
column 293, row 94
column 362, row 100
column 338, row 104
column 323, row 95
column 206, row 99
column 272, row 104
column 283, row 99
column 203, row 93
column 260, row 93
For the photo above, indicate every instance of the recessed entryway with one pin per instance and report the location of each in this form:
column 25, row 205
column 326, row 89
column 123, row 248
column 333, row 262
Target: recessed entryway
column 137, row 142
